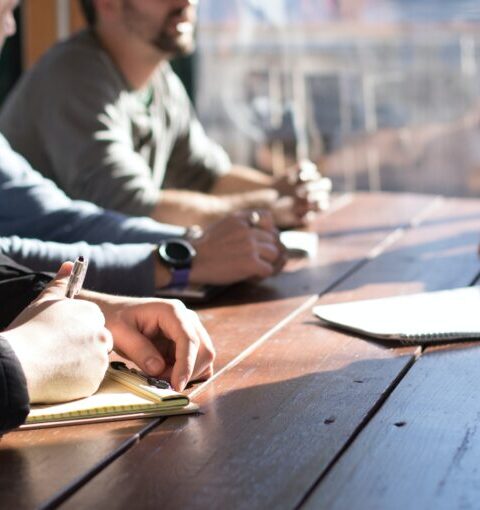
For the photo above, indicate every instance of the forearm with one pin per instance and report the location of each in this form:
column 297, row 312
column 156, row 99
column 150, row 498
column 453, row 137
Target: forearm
column 81, row 221
column 240, row 179
column 125, row 269
column 189, row 208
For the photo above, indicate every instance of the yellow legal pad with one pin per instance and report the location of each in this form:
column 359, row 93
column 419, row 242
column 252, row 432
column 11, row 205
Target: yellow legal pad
column 124, row 394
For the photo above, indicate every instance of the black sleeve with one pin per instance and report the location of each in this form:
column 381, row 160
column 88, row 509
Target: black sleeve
column 13, row 390
column 19, row 286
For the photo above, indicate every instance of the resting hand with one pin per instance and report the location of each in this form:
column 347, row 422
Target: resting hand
column 233, row 250
column 161, row 336
column 61, row 343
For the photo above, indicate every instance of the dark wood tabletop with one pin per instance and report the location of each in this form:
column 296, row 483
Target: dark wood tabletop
column 298, row 416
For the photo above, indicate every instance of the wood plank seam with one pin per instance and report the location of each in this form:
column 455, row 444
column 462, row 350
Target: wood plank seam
column 400, row 232
column 368, row 417
column 375, row 252
column 64, row 494
column 253, row 347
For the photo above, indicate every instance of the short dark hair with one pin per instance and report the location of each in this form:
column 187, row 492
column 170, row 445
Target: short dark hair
column 89, row 11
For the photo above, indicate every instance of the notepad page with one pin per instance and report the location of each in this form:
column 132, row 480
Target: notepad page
column 111, row 398
column 431, row 313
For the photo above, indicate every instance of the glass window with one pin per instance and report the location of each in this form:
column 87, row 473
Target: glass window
column 381, row 94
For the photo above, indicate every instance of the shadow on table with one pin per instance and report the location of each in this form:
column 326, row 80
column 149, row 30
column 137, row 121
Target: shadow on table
column 445, row 263
column 260, row 443
column 251, row 434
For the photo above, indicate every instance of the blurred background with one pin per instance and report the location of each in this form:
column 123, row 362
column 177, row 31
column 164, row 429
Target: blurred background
column 381, row 94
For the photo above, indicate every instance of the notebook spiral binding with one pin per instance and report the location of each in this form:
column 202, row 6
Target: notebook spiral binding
column 437, row 337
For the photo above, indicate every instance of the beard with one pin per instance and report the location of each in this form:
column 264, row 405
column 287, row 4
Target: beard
column 178, row 44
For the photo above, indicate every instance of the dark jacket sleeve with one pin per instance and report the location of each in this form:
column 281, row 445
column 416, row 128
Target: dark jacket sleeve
column 19, row 286
column 14, row 401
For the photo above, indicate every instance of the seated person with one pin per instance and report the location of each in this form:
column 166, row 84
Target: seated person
column 40, row 226
column 32, row 207
column 105, row 117
column 57, row 348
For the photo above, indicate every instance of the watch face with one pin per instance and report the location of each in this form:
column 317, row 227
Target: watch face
column 176, row 253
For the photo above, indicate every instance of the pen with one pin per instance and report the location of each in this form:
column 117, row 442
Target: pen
column 75, row 281
column 152, row 381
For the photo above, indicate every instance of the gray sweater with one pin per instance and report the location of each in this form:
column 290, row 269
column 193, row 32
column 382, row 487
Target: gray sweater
column 78, row 122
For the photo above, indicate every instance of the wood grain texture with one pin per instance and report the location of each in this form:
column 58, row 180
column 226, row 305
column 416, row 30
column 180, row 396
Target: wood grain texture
column 411, row 455
column 275, row 422
column 269, row 426
column 346, row 238
column 422, row 449
column 43, row 463
column 439, row 253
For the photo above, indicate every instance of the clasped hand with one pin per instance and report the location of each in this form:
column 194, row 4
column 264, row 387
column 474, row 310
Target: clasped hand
column 302, row 190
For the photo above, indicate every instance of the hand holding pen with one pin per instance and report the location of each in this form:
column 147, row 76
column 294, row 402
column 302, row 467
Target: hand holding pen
column 69, row 356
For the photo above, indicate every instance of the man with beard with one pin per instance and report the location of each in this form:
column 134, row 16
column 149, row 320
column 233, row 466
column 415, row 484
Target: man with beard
column 105, row 117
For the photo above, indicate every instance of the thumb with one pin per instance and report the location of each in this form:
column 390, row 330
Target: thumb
column 58, row 286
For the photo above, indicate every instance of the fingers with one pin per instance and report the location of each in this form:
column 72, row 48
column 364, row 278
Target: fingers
column 312, row 197
column 107, row 339
column 194, row 352
column 142, row 351
column 57, row 288
column 268, row 252
column 187, row 343
column 271, row 253
column 206, row 353
column 314, row 190
column 258, row 218
column 263, row 219
column 322, row 184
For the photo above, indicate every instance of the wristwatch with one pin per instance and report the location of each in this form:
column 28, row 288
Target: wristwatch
column 177, row 255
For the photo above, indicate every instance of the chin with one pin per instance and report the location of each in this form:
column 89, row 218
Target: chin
column 176, row 47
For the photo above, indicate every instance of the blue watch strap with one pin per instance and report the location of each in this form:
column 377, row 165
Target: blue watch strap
column 180, row 277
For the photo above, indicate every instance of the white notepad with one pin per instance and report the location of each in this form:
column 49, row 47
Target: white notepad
column 300, row 244
column 418, row 318
column 123, row 394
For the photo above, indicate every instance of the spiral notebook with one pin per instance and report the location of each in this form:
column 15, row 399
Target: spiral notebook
column 441, row 316
column 125, row 393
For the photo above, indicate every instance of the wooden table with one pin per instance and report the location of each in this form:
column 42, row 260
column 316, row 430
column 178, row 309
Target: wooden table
column 297, row 415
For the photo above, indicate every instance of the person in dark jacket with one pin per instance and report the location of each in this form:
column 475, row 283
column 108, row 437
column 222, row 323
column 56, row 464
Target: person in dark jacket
column 37, row 348
column 55, row 349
